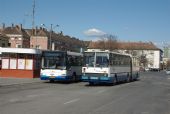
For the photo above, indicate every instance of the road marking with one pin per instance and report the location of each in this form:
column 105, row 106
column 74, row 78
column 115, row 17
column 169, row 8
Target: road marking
column 13, row 100
column 144, row 112
column 109, row 103
column 36, row 95
column 168, row 78
column 31, row 96
column 101, row 91
column 72, row 101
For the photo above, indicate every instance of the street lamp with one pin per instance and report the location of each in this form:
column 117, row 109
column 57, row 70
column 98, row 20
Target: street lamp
column 51, row 29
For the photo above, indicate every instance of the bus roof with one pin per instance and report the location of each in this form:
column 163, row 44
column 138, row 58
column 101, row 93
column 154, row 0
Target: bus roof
column 20, row 50
column 68, row 52
column 74, row 53
column 107, row 51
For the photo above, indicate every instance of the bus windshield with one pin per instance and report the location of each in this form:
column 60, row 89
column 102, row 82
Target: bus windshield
column 102, row 60
column 98, row 60
column 89, row 59
column 54, row 61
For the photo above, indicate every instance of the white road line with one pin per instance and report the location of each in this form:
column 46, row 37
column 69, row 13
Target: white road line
column 168, row 78
column 31, row 96
column 72, row 101
column 101, row 91
column 36, row 95
column 13, row 100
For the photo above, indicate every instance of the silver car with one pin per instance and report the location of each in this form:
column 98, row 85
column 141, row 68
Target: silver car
column 168, row 71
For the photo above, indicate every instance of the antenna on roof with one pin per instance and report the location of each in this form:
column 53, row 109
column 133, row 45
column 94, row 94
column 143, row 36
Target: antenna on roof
column 33, row 16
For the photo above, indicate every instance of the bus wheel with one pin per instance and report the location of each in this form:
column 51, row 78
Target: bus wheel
column 51, row 81
column 74, row 77
column 114, row 82
column 128, row 78
column 91, row 83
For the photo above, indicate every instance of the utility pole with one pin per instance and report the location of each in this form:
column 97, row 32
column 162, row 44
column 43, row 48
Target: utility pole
column 51, row 31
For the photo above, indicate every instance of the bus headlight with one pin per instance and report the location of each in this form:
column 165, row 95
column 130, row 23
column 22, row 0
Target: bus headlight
column 105, row 73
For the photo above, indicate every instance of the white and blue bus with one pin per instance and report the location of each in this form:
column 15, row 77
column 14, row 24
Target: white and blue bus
column 109, row 67
column 61, row 66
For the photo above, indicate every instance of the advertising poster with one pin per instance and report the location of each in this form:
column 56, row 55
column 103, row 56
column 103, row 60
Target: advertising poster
column 21, row 63
column 13, row 63
column 29, row 64
column 5, row 63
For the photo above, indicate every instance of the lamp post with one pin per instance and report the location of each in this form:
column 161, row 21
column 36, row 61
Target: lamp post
column 51, row 30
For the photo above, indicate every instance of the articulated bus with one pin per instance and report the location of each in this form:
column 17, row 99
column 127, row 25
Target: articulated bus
column 109, row 67
column 61, row 66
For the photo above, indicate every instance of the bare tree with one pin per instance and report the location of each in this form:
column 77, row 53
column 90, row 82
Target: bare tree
column 143, row 61
column 107, row 41
column 168, row 64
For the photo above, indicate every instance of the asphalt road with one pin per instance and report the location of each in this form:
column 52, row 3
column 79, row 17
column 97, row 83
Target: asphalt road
column 149, row 95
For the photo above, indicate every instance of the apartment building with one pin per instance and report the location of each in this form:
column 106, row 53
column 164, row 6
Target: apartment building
column 18, row 38
column 4, row 40
column 40, row 38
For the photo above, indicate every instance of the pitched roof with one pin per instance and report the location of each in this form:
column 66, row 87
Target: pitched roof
column 12, row 30
column 125, row 45
column 2, row 36
column 17, row 30
column 137, row 45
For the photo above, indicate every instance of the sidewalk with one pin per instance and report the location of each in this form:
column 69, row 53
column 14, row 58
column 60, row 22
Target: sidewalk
column 14, row 81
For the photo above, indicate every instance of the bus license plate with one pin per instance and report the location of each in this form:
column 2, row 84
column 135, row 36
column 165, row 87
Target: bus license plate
column 94, row 78
column 52, row 76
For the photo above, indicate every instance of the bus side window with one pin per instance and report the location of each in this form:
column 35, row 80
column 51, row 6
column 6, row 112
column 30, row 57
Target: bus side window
column 69, row 61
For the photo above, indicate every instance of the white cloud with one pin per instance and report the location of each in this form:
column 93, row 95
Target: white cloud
column 94, row 32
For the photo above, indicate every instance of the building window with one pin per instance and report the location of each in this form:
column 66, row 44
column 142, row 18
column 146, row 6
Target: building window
column 9, row 44
column 38, row 47
column 3, row 44
column 18, row 46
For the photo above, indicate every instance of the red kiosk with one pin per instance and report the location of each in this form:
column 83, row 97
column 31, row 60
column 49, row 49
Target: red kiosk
column 20, row 62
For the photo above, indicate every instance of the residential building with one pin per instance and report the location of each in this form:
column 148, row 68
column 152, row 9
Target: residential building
column 149, row 55
column 166, row 56
column 40, row 38
column 18, row 38
column 45, row 40
column 167, row 52
column 4, row 40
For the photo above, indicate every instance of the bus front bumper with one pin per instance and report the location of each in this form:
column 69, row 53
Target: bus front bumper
column 56, row 78
column 95, row 79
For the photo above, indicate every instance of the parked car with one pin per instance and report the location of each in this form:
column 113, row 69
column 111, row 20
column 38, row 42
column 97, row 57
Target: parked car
column 168, row 71
column 147, row 69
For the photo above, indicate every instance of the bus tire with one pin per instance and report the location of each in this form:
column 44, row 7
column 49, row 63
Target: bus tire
column 74, row 77
column 51, row 81
column 91, row 83
column 116, row 80
column 128, row 78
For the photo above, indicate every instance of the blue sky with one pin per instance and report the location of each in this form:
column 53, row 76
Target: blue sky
column 129, row 20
